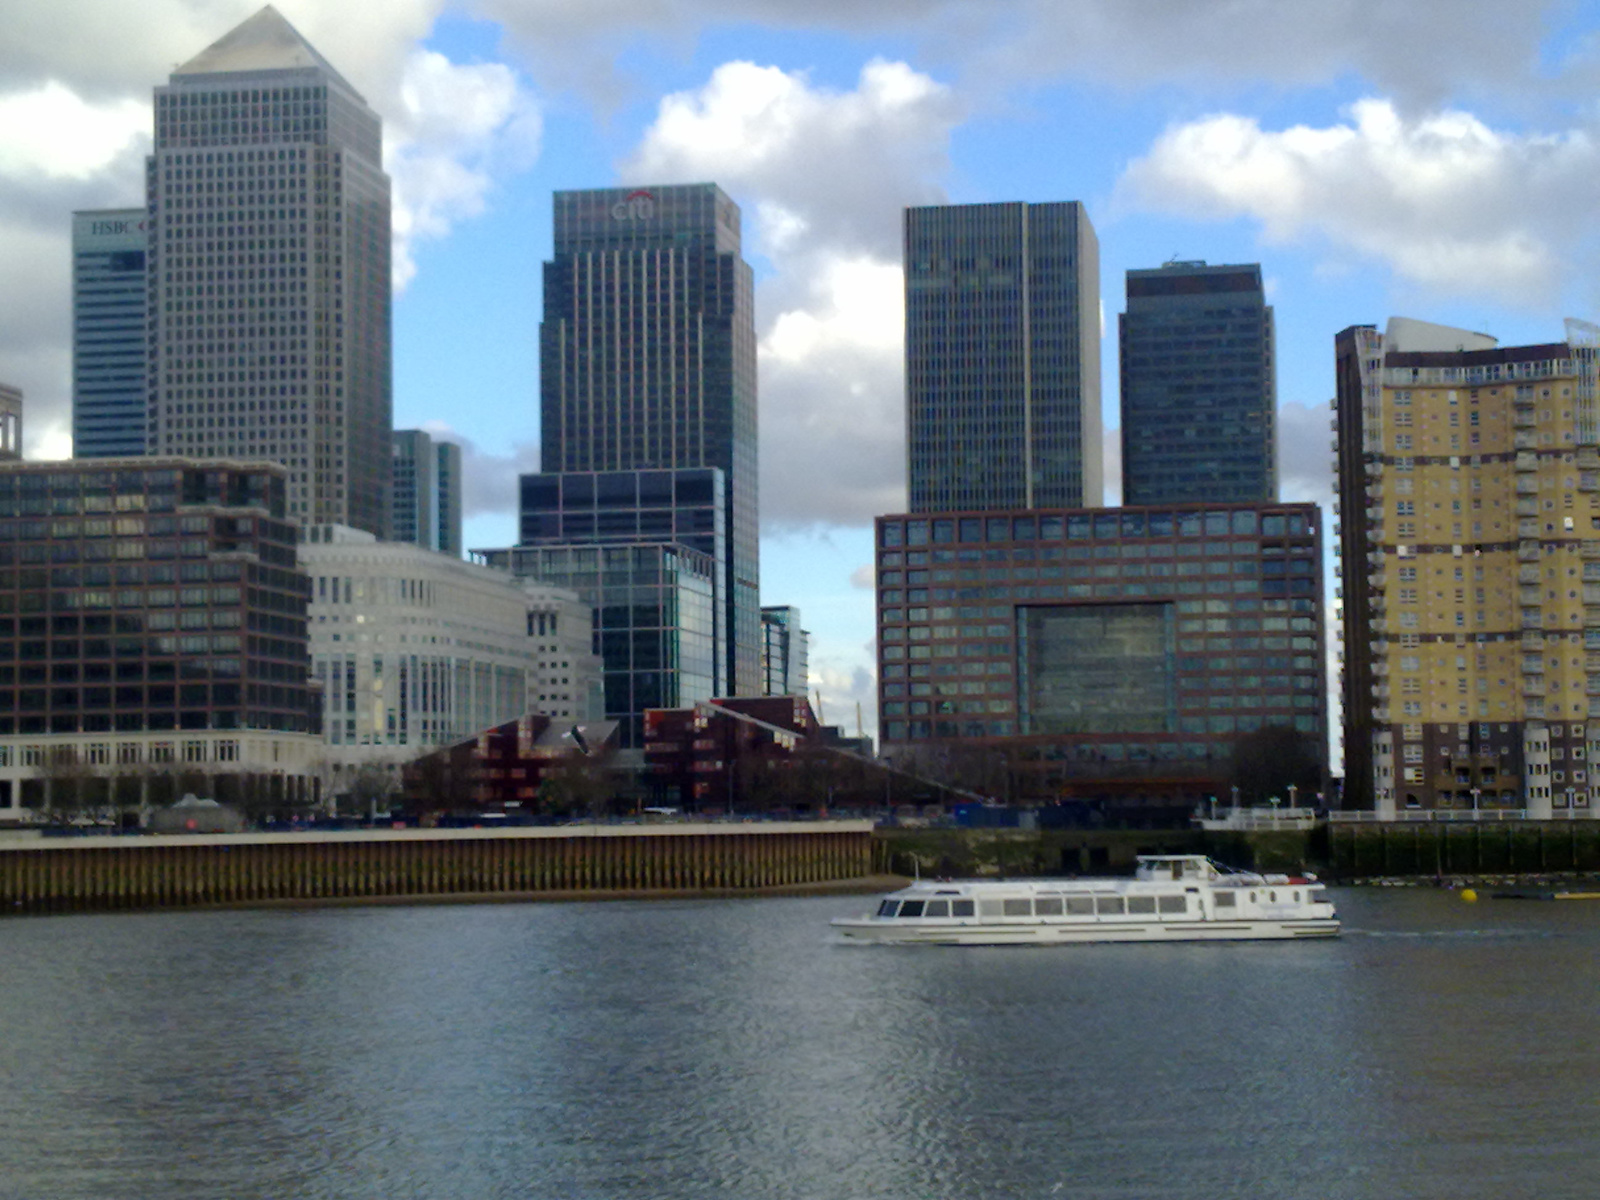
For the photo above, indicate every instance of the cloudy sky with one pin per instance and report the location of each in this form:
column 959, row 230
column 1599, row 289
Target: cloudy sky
column 1434, row 158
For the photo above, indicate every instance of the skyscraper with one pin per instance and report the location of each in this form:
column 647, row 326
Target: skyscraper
column 1002, row 356
column 109, row 294
column 1469, row 485
column 268, row 215
column 648, row 362
column 1198, row 390
column 426, row 492
column 10, row 423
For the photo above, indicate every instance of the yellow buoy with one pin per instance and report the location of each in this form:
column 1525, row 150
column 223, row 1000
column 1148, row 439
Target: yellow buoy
column 1468, row 895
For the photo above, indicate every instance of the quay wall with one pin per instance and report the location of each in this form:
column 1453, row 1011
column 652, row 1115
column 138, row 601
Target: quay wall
column 1339, row 851
column 1356, row 851
column 91, row 874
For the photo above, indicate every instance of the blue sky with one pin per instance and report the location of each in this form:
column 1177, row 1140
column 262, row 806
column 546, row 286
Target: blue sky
column 1433, row 158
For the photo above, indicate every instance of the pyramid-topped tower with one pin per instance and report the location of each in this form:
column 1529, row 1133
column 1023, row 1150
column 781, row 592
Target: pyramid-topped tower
column 268, row 218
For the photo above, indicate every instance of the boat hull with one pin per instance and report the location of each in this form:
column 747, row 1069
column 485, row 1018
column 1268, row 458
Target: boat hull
column 868, row 930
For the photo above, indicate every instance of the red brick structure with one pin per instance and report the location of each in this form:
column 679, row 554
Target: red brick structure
column 532, row 766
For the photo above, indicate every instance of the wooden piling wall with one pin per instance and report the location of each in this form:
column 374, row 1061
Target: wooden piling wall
column 106, row 873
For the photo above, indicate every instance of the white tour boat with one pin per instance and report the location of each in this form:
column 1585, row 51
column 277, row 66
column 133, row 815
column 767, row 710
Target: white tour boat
column 1171, row 898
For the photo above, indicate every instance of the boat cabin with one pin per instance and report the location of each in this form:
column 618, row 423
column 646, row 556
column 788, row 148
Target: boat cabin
column 1179, row 868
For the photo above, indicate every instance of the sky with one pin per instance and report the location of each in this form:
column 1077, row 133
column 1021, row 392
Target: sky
column 1429, row 158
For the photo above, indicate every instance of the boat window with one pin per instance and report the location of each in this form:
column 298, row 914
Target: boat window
column 1080, row 906
column 1047, row 906
column 1272, row 897
column 1174, row 904
column 1223, row 899
column 1295, row 896
column 888, row 908
column 1252, row 897
column 911, row 908
column 1141, row 904
column 1108, row 904
column 988, row 908
column 937, row 908
column 961, row 908
column 1018, row 908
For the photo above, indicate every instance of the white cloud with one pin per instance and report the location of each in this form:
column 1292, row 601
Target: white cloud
column 1443, row 200
column 489, row 480
column 1305, row 462
column 54, row 133
column 864, row 576
column 824, row 176
column 453, row 130
column 845, row 688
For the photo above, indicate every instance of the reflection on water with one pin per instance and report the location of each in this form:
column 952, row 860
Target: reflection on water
column 692, row 1049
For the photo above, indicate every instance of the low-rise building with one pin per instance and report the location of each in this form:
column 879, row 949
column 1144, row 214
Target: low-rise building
column 414, row 649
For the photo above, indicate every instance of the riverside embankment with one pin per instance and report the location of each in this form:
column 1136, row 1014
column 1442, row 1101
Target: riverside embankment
column 85, row 874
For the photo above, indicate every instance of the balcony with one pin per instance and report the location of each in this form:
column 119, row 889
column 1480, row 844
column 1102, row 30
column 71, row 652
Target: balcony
column 1591, row 686
column 1588, row 481
column 1526, row 460
column 1532, row 685
column 1527, row 485
column 1533, row 666
column 1527, row 508
column 1524, row 417
column 1533, row 641
column 1524, row 441
column 1530, row 619
column 1590, row 549
column 1527, row 574
column 1588, row 457
column 1529, row 552
column 1591, row 593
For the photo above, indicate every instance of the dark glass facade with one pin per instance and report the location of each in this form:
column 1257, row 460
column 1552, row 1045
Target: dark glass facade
column 1139, row 641
column 1198, row 390
column 648, row 363
column 1002, row 356
column 108, row 332
column 655, row 621
column 150, row 594
column 425, row 495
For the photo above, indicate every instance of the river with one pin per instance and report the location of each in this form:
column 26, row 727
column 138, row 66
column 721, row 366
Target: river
column 687, row 1049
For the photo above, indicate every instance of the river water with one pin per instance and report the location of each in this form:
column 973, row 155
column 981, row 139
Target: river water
column 692, row 1049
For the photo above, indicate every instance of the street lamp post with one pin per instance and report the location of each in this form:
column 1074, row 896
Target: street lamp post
column 1475, row 794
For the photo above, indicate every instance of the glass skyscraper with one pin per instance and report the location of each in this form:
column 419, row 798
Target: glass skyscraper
column 109, row 285
column 1002, row 356
column 426, row 482
column 648, row 363
column 269, row 297
column 1198, row 390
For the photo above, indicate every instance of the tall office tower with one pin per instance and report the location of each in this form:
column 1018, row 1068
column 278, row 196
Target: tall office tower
column 785, row 652
column 10, row 423
column 1469, row 486
column 648, row 361
column 1002, row 356
column 426, row 491
column 269, row 272
column 1198, row 390
column 109, row 293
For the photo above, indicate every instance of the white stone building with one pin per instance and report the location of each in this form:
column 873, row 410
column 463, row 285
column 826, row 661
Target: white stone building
column 414, row 649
